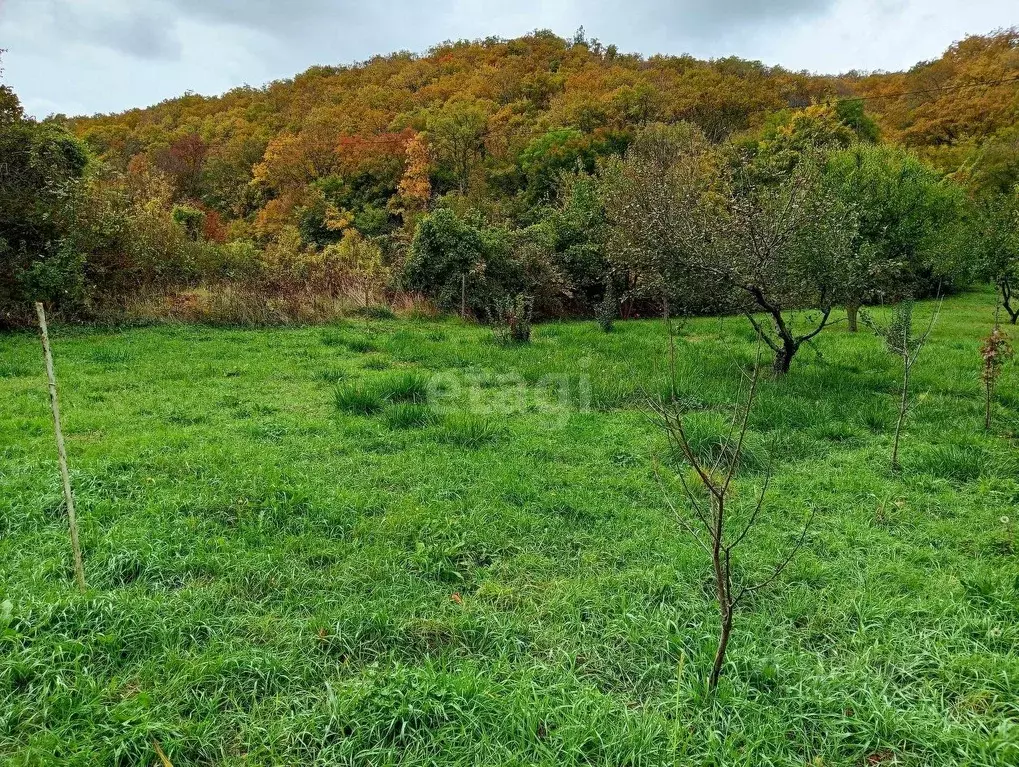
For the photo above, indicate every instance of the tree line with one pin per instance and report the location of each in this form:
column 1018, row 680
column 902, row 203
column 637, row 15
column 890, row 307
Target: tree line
column 562, row 171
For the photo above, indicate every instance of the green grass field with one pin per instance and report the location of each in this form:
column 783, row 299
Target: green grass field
column 293, row 561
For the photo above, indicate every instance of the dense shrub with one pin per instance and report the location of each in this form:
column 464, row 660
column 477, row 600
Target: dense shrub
column 912, row 236
column 511, row 319
column 564, row 150
column 571, row 235
column 190, row 219
column 452, row 257
column 608, row 309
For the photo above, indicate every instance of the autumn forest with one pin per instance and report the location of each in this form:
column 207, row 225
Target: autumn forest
column 495, row 171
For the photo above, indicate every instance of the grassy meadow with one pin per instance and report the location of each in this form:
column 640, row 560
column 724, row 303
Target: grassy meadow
column 397, row 542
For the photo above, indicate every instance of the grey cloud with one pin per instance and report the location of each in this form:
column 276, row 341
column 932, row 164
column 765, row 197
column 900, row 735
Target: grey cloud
column 700, row 16
column 312, row 18
column 287, row 37
column 269, row 16
column 148, row 29
column 139, row 29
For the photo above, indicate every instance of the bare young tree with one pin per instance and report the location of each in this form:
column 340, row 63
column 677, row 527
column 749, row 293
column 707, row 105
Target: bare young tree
column 709, row 516
column 900, row 341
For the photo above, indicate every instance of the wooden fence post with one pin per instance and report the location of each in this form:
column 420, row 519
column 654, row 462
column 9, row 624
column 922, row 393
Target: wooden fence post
column 463, row 296
column 79, row 569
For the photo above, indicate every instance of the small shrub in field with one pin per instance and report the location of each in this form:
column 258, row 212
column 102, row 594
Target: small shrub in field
column 469, row 430
column 996, row 351
column 358, row 398
column 710, row 514
column 511, row 319
column 407, row 415
column 405, row 387
column 900, row 342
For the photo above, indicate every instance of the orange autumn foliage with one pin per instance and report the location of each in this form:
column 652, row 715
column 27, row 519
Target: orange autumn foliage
column 397, row 130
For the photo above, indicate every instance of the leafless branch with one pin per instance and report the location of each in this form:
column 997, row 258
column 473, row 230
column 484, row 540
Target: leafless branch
column 782, row 565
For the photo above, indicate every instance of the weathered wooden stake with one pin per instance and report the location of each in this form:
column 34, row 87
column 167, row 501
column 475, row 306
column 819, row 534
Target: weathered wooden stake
column 79, row 569
column 463, row 296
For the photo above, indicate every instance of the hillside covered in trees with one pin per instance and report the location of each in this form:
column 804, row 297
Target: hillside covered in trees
column 473, row 172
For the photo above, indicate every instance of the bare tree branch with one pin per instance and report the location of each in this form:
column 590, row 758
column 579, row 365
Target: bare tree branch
column 782, row 565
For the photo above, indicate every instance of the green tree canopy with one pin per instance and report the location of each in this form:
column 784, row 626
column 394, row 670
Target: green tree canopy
column 907, row 241
column 450, row 253
column 39, row 164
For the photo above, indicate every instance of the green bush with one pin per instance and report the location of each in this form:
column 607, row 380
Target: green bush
column 608, row 309
column 447, row 249
column 42, row 165
column 190, row 219
column 511, row 319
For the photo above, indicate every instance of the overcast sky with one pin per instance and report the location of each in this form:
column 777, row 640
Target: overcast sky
column 85, row 56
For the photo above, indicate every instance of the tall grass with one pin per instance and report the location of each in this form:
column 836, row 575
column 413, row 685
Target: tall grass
column 358, row 398
column 293, row 561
